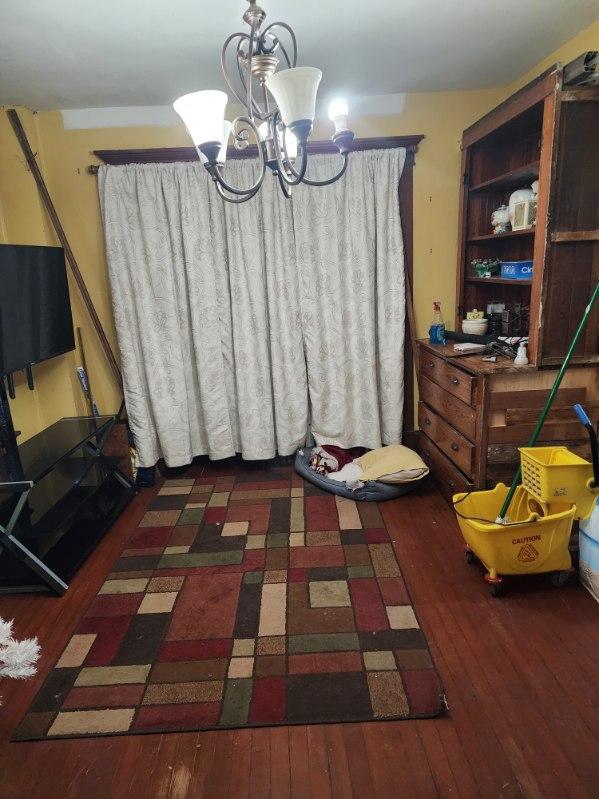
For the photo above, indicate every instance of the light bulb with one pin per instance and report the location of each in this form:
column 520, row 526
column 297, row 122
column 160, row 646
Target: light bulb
column 291, row 144
column 290, row 139
column 338, row 112
column 264, row 131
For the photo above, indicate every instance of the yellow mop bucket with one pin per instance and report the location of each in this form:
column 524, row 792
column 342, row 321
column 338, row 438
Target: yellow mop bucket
column 554, row 474
column 529, row 543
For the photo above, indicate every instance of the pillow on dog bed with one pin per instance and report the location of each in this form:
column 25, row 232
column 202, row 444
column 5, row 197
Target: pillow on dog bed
column 393, row 464
column 371, row 491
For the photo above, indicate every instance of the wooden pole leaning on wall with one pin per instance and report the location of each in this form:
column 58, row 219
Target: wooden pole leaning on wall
column 62, row 237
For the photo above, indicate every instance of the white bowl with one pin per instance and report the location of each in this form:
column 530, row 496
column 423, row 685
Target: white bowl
column 475, row 327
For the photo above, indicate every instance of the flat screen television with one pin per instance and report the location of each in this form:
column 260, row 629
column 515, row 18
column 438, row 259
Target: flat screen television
column 35, row 310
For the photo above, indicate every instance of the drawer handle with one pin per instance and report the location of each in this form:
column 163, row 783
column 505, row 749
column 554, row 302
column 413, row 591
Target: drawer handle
column 431, row 365
column 455, row 381
column 451, row 484
column 455, row 447
column 427, row 421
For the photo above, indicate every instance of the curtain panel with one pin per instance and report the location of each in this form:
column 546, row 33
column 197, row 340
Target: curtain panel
column 241, row 327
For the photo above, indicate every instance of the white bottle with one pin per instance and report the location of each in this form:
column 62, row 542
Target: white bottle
column 521, row 357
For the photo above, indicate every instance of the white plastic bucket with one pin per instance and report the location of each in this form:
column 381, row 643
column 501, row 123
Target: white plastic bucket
column 588, row 542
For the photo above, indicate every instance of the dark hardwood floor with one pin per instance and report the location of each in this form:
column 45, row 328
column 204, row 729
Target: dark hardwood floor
column 521, row 675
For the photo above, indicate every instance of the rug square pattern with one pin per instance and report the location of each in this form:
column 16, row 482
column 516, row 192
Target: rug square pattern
column 244, row 597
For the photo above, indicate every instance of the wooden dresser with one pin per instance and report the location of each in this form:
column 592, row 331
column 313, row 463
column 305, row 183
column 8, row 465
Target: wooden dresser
column 473, row 415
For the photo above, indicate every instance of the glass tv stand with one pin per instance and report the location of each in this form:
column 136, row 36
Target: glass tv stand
column 67, row 496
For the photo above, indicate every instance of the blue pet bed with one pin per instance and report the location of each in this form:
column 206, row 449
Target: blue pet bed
column 371, row 491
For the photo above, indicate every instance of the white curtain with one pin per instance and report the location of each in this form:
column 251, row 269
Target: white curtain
column 241, row 326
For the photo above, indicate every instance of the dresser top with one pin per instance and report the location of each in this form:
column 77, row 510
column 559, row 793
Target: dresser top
column 473, row 363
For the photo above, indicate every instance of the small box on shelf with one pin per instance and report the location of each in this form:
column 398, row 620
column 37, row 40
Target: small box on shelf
column 516, row 270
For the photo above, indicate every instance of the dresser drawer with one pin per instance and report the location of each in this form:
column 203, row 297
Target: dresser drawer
column 447, row 476
column 449, row 377
column 453, row 410
column 453, row 444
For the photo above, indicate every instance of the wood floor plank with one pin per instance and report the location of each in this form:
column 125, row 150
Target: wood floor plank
column 298, row 762
column 437, row 759
column 241, row 756
column 422, row 783
column 202, row 763
column 338, row 765
column 359, row 768
column 280, row 774
column 320, row 782
column 377, row 740
column 180, row 785
column 217, row 778
column 260, row 766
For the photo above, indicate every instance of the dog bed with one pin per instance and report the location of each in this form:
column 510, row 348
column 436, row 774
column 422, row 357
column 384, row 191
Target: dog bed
column 371, row 491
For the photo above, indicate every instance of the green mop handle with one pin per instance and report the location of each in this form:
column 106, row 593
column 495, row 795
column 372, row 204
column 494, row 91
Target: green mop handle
column 551, row 397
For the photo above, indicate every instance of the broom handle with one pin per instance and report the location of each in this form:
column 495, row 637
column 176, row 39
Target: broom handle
column 551, row 397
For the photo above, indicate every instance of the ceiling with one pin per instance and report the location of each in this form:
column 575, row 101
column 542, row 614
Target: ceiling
column 102, row 53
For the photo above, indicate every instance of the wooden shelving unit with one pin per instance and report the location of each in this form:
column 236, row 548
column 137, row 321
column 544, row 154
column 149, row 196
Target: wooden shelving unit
column 547, row 134
column 474, row 414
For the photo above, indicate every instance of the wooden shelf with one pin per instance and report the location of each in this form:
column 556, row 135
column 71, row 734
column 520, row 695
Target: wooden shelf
column 515, row 178
column 499, row 281
column 529, row 231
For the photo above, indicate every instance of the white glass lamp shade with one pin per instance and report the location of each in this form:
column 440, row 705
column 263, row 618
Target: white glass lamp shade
column 338, row 112
column 203, row 114
column 294, row 91
column 222, row 153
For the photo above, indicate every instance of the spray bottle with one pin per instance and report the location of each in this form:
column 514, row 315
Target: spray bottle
column 436, row 331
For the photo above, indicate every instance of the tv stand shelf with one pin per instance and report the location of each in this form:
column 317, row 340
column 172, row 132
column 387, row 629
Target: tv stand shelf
column 57, row 505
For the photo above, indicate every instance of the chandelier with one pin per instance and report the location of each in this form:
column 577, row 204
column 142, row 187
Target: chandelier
column 279, row 110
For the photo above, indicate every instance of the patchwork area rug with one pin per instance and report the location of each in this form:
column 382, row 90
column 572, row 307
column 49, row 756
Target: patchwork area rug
column 243, row 599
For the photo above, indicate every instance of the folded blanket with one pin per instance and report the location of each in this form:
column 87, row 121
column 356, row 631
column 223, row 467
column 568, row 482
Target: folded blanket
column 330, row 458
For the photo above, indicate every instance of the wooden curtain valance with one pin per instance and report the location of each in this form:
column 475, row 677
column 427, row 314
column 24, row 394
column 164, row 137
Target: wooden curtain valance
column 168, row 155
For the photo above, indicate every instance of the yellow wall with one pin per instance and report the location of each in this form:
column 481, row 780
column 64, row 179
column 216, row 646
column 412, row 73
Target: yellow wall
column 440, row 116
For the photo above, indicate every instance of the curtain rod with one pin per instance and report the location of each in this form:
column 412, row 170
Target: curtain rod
column 169, row 155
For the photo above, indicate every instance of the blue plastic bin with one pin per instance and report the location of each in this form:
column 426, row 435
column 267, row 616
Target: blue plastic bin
column 516, row 270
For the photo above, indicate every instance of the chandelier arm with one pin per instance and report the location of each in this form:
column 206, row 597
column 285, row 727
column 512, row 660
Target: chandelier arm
column 268, row 50
column 284, row 51
column 218, row 179
column 240, row 199
column 285, row 168
column 284, row 187
column 215, row 171
column 223, row 63
column 330, row 180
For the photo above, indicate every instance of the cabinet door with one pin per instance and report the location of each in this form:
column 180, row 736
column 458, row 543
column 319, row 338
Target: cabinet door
column 572, row 256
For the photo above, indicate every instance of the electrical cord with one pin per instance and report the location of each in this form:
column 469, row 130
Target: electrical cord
column 485, row 521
